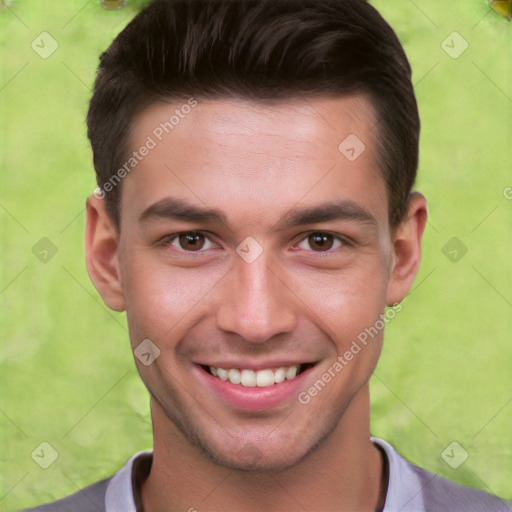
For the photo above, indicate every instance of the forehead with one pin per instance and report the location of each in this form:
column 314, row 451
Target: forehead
column 224, row 153
column 314, row 125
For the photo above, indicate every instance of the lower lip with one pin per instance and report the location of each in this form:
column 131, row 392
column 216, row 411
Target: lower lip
column 252, row 399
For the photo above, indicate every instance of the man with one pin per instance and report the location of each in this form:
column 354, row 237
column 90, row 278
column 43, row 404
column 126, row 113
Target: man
column 254, row 216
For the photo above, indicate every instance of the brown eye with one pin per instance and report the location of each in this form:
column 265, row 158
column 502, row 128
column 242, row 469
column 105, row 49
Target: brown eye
column 321, row 241
column 191, row 241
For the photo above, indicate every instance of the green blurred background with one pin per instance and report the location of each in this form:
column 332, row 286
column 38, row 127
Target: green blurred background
column 66, row 372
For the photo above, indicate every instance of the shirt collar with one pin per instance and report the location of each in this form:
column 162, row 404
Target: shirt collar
column 119, row 494
column 404, row 486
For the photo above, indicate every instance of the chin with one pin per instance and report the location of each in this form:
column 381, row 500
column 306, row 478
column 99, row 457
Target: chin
column 277, row 452
column 250, row 446
column 250, row 458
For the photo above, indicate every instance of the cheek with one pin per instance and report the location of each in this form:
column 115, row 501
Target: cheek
column 161, row 301
column 344, row 303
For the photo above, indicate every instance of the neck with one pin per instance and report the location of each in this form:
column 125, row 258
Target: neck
column 345, row 472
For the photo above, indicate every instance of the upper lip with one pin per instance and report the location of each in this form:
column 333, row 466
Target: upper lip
column 254, row 365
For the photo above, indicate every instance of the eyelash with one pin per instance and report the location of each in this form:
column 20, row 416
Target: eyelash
column 336, row 238
column 170, row 239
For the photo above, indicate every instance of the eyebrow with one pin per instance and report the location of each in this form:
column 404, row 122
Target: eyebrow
column 343, row 209
column 179, row 209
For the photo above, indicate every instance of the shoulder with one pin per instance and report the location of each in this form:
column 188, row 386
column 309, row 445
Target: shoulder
column 413, row 489
column 89, row 499
column 112, row 494
column 441, row 494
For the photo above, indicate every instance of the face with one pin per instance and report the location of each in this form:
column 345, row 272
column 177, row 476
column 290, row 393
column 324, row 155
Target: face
column 252, row 253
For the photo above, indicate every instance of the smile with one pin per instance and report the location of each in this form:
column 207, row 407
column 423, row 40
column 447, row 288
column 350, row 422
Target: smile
column 250, row 378
column 254, row 388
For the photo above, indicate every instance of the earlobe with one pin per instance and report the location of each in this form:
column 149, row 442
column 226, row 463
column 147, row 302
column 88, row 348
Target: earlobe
column 407, row 249
column 101, row 252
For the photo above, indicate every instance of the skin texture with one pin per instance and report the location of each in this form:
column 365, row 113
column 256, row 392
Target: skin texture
column 257, row 164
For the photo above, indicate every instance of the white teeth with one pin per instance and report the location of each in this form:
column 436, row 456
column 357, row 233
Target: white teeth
column 291, row 373
column 234, row 376
column 279, row 375
column 250, row 378
column 222, row 374
column 264, row 378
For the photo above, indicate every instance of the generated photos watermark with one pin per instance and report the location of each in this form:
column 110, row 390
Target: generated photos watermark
column 157, row 135
column 342, row 361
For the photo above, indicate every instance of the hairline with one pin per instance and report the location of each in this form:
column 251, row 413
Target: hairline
column 279, row 98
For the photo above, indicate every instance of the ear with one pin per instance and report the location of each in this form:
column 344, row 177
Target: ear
column 407, row 249
column 101, row 254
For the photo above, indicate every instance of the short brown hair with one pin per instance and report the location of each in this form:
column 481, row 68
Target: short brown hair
column 258, row 49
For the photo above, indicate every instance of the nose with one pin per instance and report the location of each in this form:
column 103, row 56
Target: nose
column 255, row 302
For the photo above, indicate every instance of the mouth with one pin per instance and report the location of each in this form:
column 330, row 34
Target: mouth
column 262, row 378
column 254, row 389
